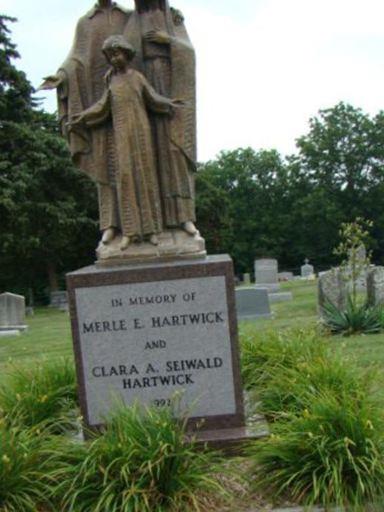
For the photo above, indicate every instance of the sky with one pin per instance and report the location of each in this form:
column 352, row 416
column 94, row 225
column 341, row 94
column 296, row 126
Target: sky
column 265, row 67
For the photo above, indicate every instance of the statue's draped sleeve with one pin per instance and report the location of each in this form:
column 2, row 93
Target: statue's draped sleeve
column 154, row 101
column 183, row 123
column 83, row 75
column 73, row 98
column 99, row 112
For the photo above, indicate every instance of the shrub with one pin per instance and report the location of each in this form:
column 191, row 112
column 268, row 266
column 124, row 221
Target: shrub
column 141, row 463
column 263, row 354
column 331, row 454
column 24, row 470
column 294, row 389
column 327, row 446
column 356, row 318
column 42, row 395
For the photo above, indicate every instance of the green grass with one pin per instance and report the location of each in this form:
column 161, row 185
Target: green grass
column 49, row 334
column 140, row 463
column 301, row 313
column 48, row 337
column 40, row 395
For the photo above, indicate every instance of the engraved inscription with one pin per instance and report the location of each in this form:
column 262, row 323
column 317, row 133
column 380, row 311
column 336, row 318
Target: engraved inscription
column 124, row 358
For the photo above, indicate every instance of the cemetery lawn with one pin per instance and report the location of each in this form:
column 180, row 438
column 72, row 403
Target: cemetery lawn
column 49, row 338
column 49, row 334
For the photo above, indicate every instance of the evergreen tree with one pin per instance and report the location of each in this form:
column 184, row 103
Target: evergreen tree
column 48, row 209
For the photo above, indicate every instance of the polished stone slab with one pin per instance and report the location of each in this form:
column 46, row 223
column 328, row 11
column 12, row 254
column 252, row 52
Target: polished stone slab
column 147, row 332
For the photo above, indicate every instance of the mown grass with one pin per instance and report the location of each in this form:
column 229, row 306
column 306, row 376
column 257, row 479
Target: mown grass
column 49, row 339
column 49, row 334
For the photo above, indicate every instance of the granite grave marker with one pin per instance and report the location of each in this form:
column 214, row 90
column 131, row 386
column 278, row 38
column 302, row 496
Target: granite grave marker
column 252, row 303
column 375, row 286
column 144, row 332
column 266, row 274
column 307, row 270
column 12, row 313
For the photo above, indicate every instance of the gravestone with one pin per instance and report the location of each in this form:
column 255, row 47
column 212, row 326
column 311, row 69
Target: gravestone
column 307, row 270
column 363, row 265
column 12, row 313
column 59, row 300
column 332, row 287
column 285, row 276
column 144, row 332
column 252, row 303
column 247, row 279
column 266, row 271
column 375, row 286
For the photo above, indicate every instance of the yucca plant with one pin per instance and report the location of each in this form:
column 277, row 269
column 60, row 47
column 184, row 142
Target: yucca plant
column 330, row 454
column 141, row 463
column 356, row 318
column 25, row 466
column 40, row 395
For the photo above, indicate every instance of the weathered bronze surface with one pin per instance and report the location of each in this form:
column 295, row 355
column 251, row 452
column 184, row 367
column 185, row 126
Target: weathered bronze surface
column 129, row 116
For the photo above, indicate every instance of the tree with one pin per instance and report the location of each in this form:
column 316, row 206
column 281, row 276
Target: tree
column 47, row 208
column 15, row 91
column 342, row 159
column 242, row 205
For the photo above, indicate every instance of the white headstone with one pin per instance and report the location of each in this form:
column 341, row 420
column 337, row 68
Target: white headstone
column 59, row 300
column 332, row 287
column 266, row 274
column 307, row 270
column 12, row 312
column 375, row 286
column 285, row 276
column 247, row 279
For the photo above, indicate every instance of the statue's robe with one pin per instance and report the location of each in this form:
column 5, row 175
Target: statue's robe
column 126, row 101
column 171, row 71
column 83, row 72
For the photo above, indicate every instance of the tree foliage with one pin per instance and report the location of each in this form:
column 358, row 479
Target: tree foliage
column 292, row 208
column 250, row 203
column 47, row 208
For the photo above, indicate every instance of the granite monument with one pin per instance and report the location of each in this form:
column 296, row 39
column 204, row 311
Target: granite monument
column 155, row 316
column 12, row 314
column 127, row 104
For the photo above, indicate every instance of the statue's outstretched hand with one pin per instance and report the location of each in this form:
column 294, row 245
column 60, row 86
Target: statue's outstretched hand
column 51, row 82
column 157, row 36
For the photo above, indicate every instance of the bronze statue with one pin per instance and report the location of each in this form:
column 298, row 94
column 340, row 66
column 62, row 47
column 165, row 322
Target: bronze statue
column 146, row 185
column 167, row 58
column 126, row 99
column 80, row 82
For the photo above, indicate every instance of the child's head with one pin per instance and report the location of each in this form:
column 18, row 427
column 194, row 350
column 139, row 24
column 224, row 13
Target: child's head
column 118, row 51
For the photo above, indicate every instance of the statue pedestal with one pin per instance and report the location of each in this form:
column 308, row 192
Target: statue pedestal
column 173, row 244
column 162, row 334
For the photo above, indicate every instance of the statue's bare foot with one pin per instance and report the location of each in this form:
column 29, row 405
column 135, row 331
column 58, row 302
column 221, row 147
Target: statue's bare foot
column 108, row 236
column 189, row 228
column 153, row 239
column 125, row 241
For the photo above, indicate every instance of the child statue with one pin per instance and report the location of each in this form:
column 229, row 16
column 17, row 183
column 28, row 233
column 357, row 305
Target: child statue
column 126, row 99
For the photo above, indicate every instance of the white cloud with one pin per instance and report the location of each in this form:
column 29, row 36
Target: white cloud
column 264, row 66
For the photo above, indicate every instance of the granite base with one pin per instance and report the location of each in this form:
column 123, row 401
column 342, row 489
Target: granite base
column 143, row 332
column 280, row 297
